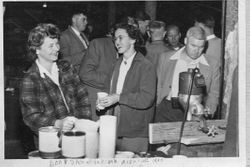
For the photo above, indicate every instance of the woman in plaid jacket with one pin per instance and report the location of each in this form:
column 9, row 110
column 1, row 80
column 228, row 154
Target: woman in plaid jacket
column 51, row 91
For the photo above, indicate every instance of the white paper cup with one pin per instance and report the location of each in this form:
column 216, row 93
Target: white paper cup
column 99, row 96
column 124, row 154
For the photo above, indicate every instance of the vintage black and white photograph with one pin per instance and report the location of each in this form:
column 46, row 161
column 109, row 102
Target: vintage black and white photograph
column 121, row 80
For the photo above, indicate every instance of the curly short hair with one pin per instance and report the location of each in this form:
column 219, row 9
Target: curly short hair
column 133, row 32
column 37, row 36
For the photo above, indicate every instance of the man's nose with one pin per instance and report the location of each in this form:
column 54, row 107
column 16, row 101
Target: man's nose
column 57, row 47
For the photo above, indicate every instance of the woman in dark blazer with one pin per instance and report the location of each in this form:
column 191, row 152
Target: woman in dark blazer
column 133, row 91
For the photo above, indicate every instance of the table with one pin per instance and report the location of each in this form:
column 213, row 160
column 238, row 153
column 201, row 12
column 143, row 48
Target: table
column 194, row 142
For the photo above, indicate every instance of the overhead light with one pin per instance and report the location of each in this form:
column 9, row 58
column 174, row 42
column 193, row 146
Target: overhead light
column 44, row 5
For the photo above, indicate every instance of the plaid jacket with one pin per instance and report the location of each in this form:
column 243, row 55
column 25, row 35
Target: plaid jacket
column 41, row 100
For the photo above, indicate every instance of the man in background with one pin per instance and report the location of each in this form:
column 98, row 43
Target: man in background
column 173, row 37
column 143, row 19
column 73, row 41
column 207, row 23
column 156, row 46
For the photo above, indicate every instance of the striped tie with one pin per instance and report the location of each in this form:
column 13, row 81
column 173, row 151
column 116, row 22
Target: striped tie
column 84, row 40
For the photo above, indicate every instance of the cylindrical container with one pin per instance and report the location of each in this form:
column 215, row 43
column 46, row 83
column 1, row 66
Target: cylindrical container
column 101, row 95
column 73, row 144
column 92, row 136
column 92, row 142
column 34, row 155
column 49, row 142
column 107, row 140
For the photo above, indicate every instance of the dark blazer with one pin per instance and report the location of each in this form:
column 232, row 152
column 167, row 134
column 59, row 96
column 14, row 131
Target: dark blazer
column 154, row 50
column 98, row 64
column 71, row 47
column 137, row 100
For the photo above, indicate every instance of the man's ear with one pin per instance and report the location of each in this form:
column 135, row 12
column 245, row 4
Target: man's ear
column 73, row 20
column 148, row 34
column 185, row 41
column 164, row 33
column 37, row 52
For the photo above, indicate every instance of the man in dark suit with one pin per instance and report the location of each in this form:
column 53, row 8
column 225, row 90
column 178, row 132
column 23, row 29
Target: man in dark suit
column 96, row 69
column 73, row 42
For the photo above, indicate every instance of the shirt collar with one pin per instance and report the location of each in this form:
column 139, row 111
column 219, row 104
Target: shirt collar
column 201, row 59
column 43, row 71
column 210, row 37
column 177, row 55
column 130, row 59
column 77, row 32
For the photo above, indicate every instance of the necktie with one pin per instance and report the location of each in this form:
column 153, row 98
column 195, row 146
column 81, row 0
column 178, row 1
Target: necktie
column 84, row 40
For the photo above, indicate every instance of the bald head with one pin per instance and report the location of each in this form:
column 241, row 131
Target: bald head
column 173, row 35
column 196, row 32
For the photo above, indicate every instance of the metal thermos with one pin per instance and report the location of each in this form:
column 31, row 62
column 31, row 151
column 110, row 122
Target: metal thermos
column 193, row 78
column 185, row 79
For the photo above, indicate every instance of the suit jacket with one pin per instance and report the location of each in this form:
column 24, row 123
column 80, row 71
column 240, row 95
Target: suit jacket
column 214, row 49
column 154, row 50
column 71, row 47
column 98, row 64
column 137, row 100
column 211, row 74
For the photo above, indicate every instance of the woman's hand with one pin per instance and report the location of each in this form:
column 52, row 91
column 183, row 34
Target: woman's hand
column 109, row 100
column 66, row 124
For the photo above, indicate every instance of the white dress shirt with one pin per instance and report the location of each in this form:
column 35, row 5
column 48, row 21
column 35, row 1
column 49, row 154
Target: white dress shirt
column 54, row 75
column 80, row 37
column 125, row 66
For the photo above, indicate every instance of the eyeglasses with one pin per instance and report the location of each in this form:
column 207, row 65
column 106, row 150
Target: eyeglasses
column 120, row 37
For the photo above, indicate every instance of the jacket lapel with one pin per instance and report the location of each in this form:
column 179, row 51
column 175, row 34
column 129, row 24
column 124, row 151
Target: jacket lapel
column 76, row 37
column 115, row 76
column 129, row 75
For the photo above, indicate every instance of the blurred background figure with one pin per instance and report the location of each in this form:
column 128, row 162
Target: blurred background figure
column 51, row 91
column 143, row 19
column 207, row 23
column 173, row 37
column 73, row 41
column 156, row 46
column 133, row 91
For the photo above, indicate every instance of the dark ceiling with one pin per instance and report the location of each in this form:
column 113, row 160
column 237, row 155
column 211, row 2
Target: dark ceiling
column 21, row 17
